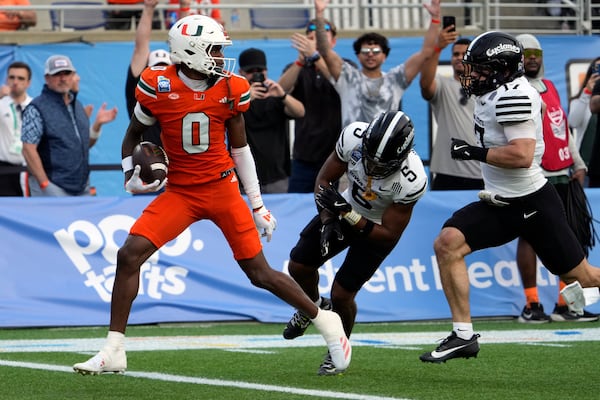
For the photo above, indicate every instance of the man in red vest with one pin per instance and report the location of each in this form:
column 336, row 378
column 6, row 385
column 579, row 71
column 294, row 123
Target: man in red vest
column 561, row 163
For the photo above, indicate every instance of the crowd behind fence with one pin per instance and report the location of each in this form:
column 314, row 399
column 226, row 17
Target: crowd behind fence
column 545, row 17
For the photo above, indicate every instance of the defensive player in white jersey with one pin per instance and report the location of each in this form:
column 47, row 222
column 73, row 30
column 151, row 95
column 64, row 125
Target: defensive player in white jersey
column 518, row 201
column 385, row 179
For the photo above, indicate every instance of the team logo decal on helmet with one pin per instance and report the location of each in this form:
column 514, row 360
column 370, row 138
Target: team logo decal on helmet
column 495, row 58
column 199, row 41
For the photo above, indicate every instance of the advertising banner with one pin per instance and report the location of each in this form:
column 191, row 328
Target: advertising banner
column 58, row 261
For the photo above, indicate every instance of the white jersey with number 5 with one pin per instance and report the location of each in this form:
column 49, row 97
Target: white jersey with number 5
column 512, row 103
column 404, row 186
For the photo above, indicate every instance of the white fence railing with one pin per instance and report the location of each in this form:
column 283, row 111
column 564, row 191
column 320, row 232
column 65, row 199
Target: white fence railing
column 559, row 16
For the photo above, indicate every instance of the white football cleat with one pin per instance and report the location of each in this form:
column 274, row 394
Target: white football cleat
column 330, row 326
column 105, row 361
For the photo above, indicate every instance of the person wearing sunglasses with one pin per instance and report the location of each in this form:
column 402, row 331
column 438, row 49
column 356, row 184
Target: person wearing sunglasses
column 453, row 112
column 559, row 159
column 13, row 100
column 367, row 91
column 307, row 79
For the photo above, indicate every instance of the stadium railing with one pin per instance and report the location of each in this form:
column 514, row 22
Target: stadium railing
column 574, row 16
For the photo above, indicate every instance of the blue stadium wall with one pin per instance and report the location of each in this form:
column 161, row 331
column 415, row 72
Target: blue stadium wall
column 57, row 257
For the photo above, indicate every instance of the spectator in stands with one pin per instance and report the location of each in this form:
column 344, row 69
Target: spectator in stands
column 191, row 7
column 13, row 100
column 267, row 122
column 56, row 134
column 307, row 79
column 141, row 58
column 556, row 166
column 453, row 112
column 121, row 19
column 581, row 119
column 367, row 91
column 594, row 166
column 12, row 20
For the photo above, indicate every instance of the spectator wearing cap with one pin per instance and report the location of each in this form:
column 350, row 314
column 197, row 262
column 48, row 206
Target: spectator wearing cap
column 267, row 122
column 141, row 58
column 307, row 79
column 56, row 135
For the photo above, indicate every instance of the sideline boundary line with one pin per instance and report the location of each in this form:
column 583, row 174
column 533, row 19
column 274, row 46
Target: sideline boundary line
column 209, row 382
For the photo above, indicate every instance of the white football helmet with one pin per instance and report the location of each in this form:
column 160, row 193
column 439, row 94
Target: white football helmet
column 191, row 41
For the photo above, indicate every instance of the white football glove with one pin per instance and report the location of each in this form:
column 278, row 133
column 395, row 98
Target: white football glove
column 136, row 186
column 265, row 222
column 493, row 198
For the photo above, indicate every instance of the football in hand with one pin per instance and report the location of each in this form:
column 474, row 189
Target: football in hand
column 153, row 161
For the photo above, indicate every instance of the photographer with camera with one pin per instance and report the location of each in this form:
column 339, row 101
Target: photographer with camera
column 267, row 122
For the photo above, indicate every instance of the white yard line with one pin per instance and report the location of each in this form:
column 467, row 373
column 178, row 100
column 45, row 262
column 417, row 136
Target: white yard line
column 322, row 394
column 253, row 342
column 245, row 342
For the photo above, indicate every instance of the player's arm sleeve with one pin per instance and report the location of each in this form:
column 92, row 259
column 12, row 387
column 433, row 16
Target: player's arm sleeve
column 520, row 130
column 143, row 115
column 246, row 170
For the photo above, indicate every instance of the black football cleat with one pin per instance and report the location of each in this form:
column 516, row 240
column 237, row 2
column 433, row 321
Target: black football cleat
column 453, row 347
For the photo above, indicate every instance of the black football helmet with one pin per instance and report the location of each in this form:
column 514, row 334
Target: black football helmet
column 386, row 143
column 495, row 56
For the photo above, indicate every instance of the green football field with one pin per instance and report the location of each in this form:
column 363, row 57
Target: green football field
column 252, row 361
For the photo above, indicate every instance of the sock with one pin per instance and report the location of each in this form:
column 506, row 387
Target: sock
column 561, row 302
column 464, row 330
column 318, row 302
column 115, row 340
column 531, row 295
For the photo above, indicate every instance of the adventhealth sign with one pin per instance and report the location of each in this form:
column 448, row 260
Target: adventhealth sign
column 58, row 262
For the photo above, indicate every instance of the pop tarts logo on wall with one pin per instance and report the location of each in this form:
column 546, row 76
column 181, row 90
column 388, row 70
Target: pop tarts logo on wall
column 82, row 239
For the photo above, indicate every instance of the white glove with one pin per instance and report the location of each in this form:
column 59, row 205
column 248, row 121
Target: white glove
column 136, row 186
column 265, row 222
column 492, row 198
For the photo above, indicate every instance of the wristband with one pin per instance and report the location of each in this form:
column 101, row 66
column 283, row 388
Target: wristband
column 298, row 63
column 44, row 184
column 587, row 91
column 283, row 97
column 127, row 164
column 95, row 134
column 435, row 21
column 352, row 217
column 478, row 153
column 437, row 49
column 312, row 59
column 184, row 9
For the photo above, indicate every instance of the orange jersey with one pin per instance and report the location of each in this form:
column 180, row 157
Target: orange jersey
column 193, row 122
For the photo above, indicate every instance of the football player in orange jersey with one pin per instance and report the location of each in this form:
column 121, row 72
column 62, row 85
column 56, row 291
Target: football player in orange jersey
column 199, row 104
